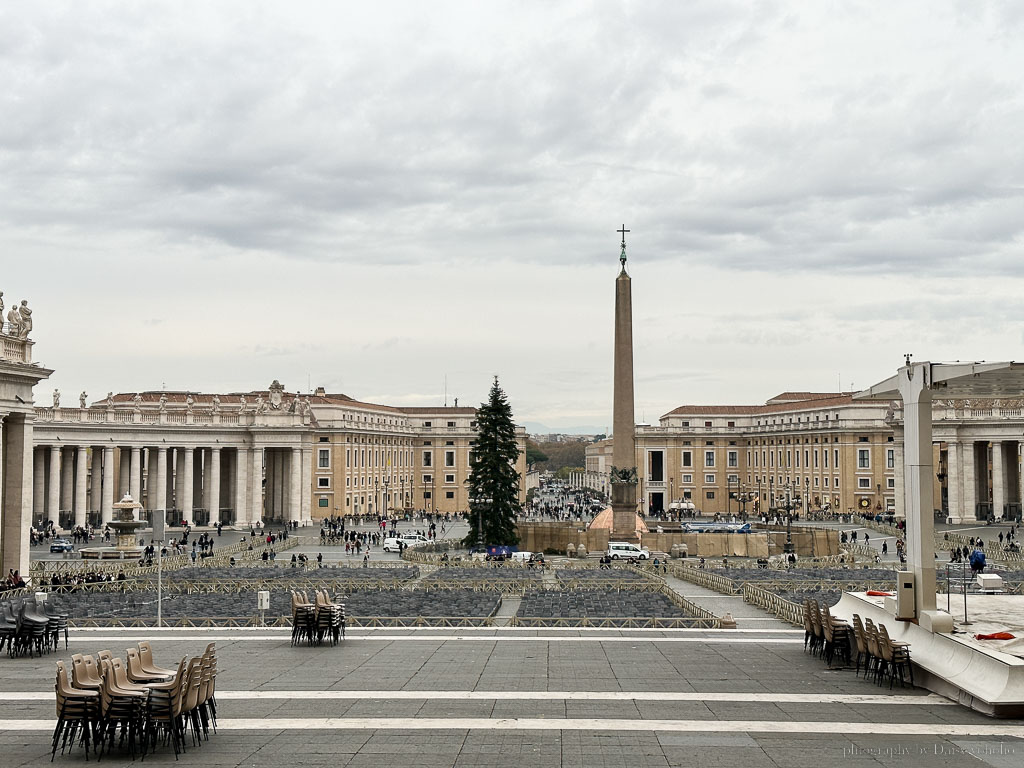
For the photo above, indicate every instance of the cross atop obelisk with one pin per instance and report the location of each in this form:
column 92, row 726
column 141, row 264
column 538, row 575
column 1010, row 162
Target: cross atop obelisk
column 622, row 255
column 624, row 477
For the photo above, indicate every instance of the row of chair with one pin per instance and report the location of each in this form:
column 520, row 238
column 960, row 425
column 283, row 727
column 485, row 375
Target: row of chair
column 27, row 627
column 313, row 622
column 825, row 635
column 142, row 702
column 881, row 655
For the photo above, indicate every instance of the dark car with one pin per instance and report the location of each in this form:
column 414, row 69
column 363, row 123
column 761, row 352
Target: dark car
column 61, row 545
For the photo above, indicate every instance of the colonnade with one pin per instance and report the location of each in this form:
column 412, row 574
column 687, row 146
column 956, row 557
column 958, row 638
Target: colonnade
column 983, row 478
column 79, row 484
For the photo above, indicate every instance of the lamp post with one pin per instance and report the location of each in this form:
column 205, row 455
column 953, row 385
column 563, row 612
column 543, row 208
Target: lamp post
column 376, row 495
column 387, row 483
column 771, row 494
column 807, row 496
column 789, row 506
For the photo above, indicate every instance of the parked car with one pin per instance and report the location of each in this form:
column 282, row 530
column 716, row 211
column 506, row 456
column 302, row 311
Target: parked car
column 61, row 545
column 625, row 550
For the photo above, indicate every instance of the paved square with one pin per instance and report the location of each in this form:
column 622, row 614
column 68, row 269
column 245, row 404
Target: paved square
column 439, row 697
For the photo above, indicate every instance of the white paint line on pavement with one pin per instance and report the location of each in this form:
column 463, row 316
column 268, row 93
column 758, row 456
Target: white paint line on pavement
column 760, row 698
column 264, row 724
column 486, row 639
column 461, row 629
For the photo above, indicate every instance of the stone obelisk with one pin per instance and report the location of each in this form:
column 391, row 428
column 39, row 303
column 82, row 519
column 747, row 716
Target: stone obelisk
column 624, row 476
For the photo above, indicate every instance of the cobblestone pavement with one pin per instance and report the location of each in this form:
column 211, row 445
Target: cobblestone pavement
column 496, row 697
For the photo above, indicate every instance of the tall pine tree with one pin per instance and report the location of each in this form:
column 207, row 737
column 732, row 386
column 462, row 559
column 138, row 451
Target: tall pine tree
column 494, row 481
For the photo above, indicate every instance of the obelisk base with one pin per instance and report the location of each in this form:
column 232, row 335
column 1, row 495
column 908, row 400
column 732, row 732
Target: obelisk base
column 623, row 512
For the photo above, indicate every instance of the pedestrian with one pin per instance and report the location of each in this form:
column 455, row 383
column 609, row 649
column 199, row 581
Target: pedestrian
column 885, row 547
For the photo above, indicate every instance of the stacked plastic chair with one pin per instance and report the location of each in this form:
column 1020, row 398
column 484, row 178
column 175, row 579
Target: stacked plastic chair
column 77, row 709
column 330, row 619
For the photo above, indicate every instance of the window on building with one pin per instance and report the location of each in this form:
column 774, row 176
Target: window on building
column 687, row 478
column 890, row 459
column 449, row 494
column 324, row 458
column 731, row 424
column 428, row 479
column 449, row 478
column 321, row 502
column 709, row 479
column 449, row 458
column 890, row 482
column 426, row 494
column 427, row 442
column 686, row 423
column 687, row 459
column 710, row 495
column 709, row 458
column 835, row 456
column 428, row 424
column 734, row 458
column 449, row 442
column 707, row 424
column 323, row 482
column 863, row 458
column 451, row 423
column 863, row 482
column 656, row 466
column 325, row 439
column 428, row 459
column 824, row 481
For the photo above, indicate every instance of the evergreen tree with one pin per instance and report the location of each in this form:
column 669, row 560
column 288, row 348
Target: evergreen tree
column 494, row 480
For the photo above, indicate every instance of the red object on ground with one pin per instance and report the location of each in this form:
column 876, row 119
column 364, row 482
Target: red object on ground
column 996, row 636
column 876, row 593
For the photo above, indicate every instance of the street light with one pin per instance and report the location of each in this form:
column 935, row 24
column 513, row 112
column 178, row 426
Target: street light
column 387, row 482
column 376, row 495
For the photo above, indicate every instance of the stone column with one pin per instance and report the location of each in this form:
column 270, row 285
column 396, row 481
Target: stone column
column 213, row 490
column 67, row 480
column 197, row 478
column 998, row 479
column 179, row 480
column 186, row 482
column 81, row 485
column 954, row 481
column 295, row 487
column 242, row 459
column 96, row 480
column 161, row 481
column 17, row 485
column 135, row 486
column 53, row 485
column 255, row 485
column 307, row 486
column 107, row 510
column 970, row 483
column 124, row 472
column 277, row 503
column 38, row 484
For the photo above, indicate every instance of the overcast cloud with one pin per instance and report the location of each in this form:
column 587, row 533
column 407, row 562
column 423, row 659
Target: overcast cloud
column 374, row 197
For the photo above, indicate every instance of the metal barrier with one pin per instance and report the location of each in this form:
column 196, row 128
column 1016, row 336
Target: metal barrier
column 704, row 578
column 779, row 606
column 652, row 622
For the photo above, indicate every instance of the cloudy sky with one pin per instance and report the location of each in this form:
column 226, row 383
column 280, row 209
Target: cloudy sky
column 377, row 197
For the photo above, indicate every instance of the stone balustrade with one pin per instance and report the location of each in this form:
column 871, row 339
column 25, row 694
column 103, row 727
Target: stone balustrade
column 15, row 350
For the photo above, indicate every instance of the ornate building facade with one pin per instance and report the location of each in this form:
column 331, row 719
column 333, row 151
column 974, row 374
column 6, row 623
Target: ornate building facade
column 822, row 450
column 239, row 458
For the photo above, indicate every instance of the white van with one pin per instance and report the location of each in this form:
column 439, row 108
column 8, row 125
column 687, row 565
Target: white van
column 625, row 550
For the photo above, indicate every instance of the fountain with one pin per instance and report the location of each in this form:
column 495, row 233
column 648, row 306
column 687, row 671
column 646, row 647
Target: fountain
column 125, row 527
